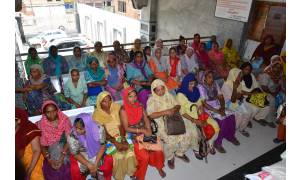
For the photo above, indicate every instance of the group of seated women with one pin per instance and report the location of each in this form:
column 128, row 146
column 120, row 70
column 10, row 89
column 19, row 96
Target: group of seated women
column 137, row 102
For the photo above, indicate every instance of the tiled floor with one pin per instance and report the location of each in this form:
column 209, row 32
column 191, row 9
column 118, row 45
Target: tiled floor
column 259, row 142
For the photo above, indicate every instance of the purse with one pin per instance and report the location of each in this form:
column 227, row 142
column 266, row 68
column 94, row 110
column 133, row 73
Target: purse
column 174, row 125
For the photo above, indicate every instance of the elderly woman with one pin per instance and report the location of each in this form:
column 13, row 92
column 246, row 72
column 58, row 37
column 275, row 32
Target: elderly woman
column 189, row 62
column 32, row 59
column 135, row 121
column 115, row 77
column 99, row 54
column 107, row 115
column 231, row 55
column 161, row 104
column 28, row 145
column 95, row 78
column 232, row 94
column 249, row 87
column 272, row 82
column 39, row 88
column 175, row 66
column 188, row 96
column 136, row 47
column 159, row 67
column 87, row 145
column 75, row 90
column 217, row 58
column 55, row 127
column 160, row 44
column 77, row 61
column 54, row 64
column 214, row 104
column 140, row 75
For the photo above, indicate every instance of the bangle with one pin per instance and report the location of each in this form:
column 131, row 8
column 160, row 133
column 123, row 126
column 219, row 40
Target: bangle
column 64, row 152
column 47, row 155
column 137, row 130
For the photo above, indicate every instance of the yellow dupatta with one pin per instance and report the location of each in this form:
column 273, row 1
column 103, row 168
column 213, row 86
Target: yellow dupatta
column 111, row 121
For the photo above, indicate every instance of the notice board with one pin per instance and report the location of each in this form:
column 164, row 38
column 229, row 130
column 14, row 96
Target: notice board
column 233, row 9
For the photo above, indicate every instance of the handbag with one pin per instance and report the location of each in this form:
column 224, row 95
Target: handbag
column 174, row 125
column 94, row 91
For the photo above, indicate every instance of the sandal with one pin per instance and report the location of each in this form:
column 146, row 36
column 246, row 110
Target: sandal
column 171, row 163
column 261, row 122
column 235, row 142
column 212, row 151
column 249, row 125
column 197, row 155
column 219, row 148
column 245, row 133
column 184, row 158
column 162, row 173
column 272, row 125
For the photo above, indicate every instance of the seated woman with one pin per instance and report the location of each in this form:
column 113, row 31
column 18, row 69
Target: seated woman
column 27, row 145
column 115, row 77
column 54, row 64
column 95, row 78
column 188, row 96
column 147, row 53
column 87, row 145
column 136, row 47
column 266, row 49
column 189, row 62
column 175, row 66
column 39, row 88
column 249, row 85
column 219, row 64
column 214, row 104
column 160, row 44
column 181, row 47
column 232, row 94
column 77, row 61
column 121, row 55
column 158, row 65
column 213, row 39
column 135, row 121
column 55, row 127
column 272, row 82
column 75, row 90
column 140, row 75
column 161, row 104
column 107, row 115
column 196, row 42
column 231, row 55
column 202, row 57
column 32, row 59
column 100, row 55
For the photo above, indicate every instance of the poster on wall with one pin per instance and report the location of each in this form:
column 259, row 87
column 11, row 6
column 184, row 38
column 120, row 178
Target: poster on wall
column 233, row 9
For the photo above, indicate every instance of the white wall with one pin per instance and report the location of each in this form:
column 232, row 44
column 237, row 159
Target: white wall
column 177, row 17
column 129, row 28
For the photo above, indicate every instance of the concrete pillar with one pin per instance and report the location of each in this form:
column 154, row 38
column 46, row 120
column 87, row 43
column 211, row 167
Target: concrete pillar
column 149, row 21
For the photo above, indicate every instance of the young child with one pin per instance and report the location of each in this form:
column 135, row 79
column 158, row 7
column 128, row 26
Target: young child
column 281, row 116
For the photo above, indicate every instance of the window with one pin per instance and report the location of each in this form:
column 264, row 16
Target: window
column 117, row 35
column 100, row 31
column 122, row 6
